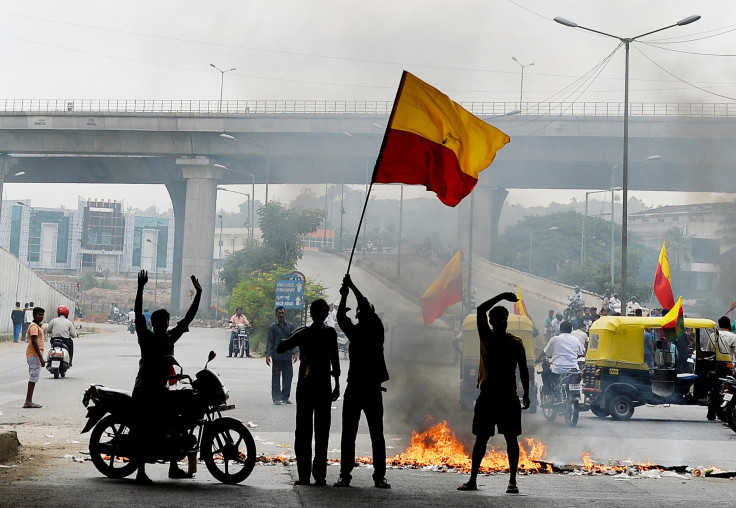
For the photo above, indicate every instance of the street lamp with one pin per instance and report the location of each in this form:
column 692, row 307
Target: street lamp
column 626, row 41
column 531, row 243
column 252, row 208
column 247, row 206
column 268, row 155
column 3, row 174
column 155, row 264
column 521, row 91
column 585, row 219
column 222, row 82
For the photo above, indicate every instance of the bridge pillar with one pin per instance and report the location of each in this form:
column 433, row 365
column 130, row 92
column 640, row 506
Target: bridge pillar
column 487, row 205
column 195, row 202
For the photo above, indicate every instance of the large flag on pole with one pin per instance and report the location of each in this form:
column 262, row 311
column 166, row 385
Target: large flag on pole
column 446, row 290
column 520, row 306
column 435, row 142
column 663, row 281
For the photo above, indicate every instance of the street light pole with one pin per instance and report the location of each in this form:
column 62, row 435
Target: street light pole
column 155, row 264
column 268, row 156
column 625, row 172
column 521, row 88
column 222, row 83
column 585, row 219
column 531, row 244
column 219, row 261
column 3, row 173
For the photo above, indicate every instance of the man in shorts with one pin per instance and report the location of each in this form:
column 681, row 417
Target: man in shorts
column 34, row 355
column 498, row 403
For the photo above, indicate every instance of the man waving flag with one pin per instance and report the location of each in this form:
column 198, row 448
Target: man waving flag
column 435, row 142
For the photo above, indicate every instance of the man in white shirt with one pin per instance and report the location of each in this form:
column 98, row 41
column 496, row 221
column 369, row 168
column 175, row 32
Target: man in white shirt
column 564, row 349
column 581, row 335
column 726, row 338
column 556, row 324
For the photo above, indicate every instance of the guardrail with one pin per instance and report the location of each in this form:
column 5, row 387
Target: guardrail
column 307, row 107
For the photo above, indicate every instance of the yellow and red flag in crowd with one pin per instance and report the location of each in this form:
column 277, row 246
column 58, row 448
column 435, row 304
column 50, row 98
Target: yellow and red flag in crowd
column 432, row 141
column 663, row 280
column 446, row 290
column 520, row 306
column 673, row 323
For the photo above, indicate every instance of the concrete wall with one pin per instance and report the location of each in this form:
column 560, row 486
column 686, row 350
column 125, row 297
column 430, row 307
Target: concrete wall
column 20, row 283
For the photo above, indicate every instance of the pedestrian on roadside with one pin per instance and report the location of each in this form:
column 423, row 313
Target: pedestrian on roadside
column 34, row 355
column 282, row 364
column 27, row 320
column 16, row 316
column 498, row 403
column 318, row 360
column 364, row 391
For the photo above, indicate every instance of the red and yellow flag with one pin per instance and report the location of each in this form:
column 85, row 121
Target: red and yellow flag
column 520, row 306
column 673, row 323
column 446, row 290
column 435, row 142
column 663, row 281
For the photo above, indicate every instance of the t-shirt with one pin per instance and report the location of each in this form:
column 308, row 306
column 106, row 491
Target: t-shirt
column 17, row 316
column 564, row 350
column 34, row 329
column 28, row 315
column 61, row 327
column 581, row 336
column 728, row 340
column 238, row 320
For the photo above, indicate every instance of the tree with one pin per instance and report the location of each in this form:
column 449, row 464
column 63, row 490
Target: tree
column 281, row 228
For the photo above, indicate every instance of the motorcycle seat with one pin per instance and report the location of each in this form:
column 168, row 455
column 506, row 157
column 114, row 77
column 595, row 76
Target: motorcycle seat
column 113, row 392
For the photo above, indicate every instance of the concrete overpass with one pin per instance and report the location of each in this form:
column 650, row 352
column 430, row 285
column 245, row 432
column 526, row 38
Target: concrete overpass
column 177, row 143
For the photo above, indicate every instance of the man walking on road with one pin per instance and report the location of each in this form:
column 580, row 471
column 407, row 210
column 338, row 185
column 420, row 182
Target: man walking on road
column 16, row 316
column 498, row 402
column 364, row 391
column 282, row 368
column 27, row 320
column 34, row 355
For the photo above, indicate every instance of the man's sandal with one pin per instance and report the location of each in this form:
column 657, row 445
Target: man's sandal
column 468, row 486
column 512, row 489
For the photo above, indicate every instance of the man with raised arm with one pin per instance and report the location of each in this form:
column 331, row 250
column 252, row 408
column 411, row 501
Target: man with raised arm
column 498, row 403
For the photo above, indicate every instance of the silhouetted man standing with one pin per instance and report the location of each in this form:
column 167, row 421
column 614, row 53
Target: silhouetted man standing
column 318, row 357
column 282, row 370
column 364, row 391
column 498, row 403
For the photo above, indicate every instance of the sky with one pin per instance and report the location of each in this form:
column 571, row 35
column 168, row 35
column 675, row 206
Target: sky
column 338, row 50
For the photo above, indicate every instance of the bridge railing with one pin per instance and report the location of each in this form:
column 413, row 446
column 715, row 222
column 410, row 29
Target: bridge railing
column 316, row 107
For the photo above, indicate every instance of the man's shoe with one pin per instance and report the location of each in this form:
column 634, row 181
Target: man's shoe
column 382, row 484
column 301, row 482
column 276, row 402
column 178, row 474
column 341, row 482
column 468, row 486
column 320, row 483
column 287, row 401
column 249, row 356
column 229, row 356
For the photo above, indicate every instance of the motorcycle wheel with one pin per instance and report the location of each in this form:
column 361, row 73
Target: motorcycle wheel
column 228, row 450
column 572, row 414
column 731, row 414
column 549, row 412
column 600, row 413
column 106, row 451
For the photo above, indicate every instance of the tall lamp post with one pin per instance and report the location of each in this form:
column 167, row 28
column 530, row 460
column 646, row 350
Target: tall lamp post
column 626, row 41
column 585, row 220
column 252, row 206
column 531, row 243
column 3, row 174
column 521, row 88
column 247, row 206
column 268, row 155
column 219, row 261
column 222, row 82
column 155, row 264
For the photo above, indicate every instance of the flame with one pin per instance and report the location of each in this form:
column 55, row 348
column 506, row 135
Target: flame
column 438, row 446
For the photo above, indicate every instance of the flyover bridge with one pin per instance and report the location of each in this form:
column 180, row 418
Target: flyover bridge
column 178, row 144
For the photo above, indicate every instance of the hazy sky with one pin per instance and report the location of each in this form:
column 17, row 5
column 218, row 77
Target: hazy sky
column 341, row 50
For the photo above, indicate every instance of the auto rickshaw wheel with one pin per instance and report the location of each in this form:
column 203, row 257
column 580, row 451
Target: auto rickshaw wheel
column 600, row 413
column 621, row 407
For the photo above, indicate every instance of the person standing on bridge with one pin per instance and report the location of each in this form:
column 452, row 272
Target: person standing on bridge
column 364, row 391
column 498, row 403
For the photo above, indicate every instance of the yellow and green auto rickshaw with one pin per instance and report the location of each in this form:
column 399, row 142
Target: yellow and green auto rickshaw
column 617, row 378
column 520, row 326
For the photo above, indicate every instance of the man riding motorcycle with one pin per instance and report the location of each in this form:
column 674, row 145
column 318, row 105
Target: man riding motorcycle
column 565, row 349
column 238, row 319
column 61, row 327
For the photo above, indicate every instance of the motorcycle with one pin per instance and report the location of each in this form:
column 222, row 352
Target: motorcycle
column 131, row 326
column 224, row 444
column 343, row 344
column 729, row 401
column 240, row 342
column 58, row 359
column 566, row 397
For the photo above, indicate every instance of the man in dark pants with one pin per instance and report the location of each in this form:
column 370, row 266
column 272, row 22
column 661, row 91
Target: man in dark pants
column 282, row 370
column 498, row 402
column 318, row 357
column 152, row 400
column 364, row 392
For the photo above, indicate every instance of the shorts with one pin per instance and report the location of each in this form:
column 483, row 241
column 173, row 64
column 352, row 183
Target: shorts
column 493, row 411
column 34, row 368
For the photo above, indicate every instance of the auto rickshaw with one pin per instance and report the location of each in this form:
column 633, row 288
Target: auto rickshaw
column 617, row 379
column 520, row 326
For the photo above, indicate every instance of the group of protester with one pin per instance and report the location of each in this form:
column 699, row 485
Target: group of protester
column 22, row 319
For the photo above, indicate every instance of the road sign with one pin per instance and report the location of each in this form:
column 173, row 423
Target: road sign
column 290, row 293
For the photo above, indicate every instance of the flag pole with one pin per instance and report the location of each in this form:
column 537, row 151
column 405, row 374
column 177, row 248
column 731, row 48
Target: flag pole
column 375, row 168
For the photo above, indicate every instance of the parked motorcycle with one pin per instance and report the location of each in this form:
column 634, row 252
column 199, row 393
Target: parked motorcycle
column 224, row 444
column 729, row 400
column 566, row 397
column 58, row 360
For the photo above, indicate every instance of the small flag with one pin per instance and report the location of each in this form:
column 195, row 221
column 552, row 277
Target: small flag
column 520, row 306
column 663, row 281
column 446, row 290
column 673, row 323
column 432, row 141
